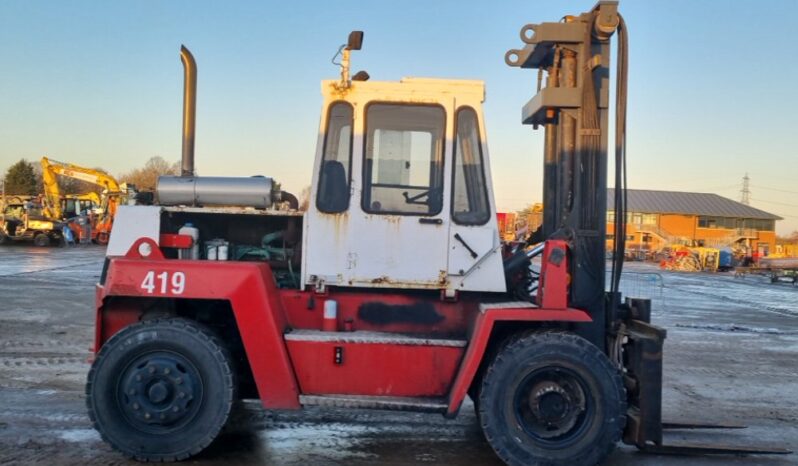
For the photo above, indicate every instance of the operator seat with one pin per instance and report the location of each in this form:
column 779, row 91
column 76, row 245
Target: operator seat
column 333, row 188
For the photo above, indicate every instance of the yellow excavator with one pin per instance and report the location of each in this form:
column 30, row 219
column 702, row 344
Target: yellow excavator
column 73, row 204
column 57, row 205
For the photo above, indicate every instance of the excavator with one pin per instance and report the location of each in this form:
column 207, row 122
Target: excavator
column 73, row 204
column 58, row 205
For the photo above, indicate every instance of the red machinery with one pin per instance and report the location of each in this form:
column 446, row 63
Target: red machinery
column 391, row 291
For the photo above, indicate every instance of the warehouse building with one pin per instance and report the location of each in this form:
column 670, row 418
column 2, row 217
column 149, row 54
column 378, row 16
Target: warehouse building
column 657, row 218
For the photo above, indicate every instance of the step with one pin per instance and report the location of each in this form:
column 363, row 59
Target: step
column 507, row 305
column 390, row 403
column 369, row 337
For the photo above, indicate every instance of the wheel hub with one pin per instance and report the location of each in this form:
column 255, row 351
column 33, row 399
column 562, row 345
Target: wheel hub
column 550, row 404
column 158, row 391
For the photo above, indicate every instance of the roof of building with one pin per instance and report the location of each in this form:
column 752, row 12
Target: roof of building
column 674, row 202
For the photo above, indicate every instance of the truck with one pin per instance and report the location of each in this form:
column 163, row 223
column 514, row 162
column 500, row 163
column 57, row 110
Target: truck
column 392, row 290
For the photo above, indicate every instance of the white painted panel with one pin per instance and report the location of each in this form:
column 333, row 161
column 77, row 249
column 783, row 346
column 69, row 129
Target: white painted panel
column 482, row 240
column 132, row 223
column 395, row 250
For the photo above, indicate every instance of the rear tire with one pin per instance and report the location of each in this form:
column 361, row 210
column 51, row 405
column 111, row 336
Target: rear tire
column 161, row 390
column 552, row 398
column 41, row 240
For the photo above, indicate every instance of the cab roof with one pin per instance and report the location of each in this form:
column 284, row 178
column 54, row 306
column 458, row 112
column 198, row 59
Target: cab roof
column 417, row 87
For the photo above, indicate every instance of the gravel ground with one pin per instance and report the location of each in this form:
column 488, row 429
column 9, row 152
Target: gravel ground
column 731, row 356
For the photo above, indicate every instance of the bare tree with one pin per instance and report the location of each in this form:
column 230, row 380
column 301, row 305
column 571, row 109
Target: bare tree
column 146, row 178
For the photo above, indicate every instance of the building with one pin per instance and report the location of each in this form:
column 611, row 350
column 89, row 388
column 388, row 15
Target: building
column 657, row 218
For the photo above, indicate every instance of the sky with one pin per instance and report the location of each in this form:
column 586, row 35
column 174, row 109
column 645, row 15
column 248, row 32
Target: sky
column 712, row 91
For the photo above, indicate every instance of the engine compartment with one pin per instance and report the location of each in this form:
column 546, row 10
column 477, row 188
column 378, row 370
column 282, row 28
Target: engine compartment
column 271, row 236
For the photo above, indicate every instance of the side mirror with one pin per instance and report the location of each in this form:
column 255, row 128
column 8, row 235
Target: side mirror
column 355, row 40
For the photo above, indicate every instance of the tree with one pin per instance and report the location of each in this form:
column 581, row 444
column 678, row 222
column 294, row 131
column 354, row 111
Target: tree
column 146, row 178
column 789, row 238
column 21, row 179
column 75, row 186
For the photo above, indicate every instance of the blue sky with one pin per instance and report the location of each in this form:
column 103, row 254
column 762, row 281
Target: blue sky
column 712, row 88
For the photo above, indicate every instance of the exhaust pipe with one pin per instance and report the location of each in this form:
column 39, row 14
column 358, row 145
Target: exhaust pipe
column 189, row 110
column 188, row 189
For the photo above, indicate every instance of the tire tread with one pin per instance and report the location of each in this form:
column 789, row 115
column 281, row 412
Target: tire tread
column 220, row 353
column 518, row 343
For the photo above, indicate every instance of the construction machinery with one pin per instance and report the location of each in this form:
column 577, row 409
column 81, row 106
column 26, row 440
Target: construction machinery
column 391, row 291
column 113, row 194
column 26, row 221
column 73, row 205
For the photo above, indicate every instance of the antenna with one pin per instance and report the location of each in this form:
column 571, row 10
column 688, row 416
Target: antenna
column 746, row 191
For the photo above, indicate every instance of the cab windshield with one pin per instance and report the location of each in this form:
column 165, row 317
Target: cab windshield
column 403, row 159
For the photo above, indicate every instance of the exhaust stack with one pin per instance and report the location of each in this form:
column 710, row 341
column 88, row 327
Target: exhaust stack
column 189, row 110
column 190, row 190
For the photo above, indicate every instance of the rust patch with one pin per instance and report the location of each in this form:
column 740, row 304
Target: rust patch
column 443, row 278
column 387, row 282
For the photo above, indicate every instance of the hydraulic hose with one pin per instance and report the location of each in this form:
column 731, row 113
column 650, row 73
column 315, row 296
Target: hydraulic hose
column 620, row 197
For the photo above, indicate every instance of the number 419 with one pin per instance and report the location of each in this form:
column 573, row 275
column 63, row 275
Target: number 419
column 175, row 285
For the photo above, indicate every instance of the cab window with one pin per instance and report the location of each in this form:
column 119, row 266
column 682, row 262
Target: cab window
column 470, row 204
column 403, row 159
column 336, row 164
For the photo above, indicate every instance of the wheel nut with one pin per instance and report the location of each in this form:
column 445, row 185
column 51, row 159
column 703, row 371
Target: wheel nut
column 176, row 409
column 178, row 380
column 132, row 391
column 151, row 370
column 147, row 415
column 163, row 416
column 181, row 395
column 166, row 371
column 138, row 378
column 136, row 406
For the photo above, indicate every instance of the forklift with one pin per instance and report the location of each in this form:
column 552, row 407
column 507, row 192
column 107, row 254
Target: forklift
column 393, row 291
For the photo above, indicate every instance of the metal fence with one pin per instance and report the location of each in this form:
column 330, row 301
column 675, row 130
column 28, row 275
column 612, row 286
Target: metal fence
column 649, row 285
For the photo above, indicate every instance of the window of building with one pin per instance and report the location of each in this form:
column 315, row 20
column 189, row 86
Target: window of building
column 726, row 223
column 403, row 160
column 610, row 216
column 649, row 219
column 707, row 222
column 765, row 225
column 336, row 163
column 470, row 199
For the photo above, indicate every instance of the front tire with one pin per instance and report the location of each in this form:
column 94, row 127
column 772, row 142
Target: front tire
column 552, row 398
column 41, row 240
column 161, row 390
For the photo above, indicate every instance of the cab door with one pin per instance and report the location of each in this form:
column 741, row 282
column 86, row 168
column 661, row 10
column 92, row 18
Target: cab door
column 474, row 261
column 401, row 225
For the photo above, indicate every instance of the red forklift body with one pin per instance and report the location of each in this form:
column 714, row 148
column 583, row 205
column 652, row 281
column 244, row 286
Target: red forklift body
column 281, row 330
